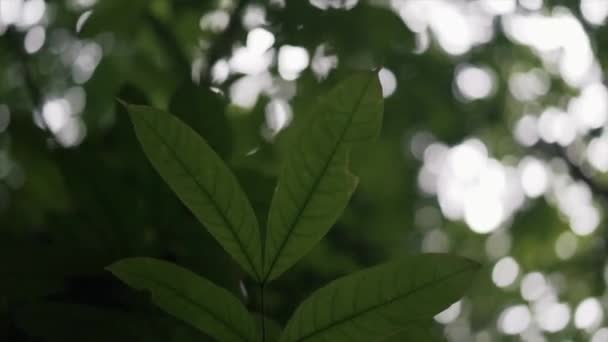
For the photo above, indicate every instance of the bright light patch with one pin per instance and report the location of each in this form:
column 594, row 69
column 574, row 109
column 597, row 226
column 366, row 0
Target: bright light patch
column 323, row 62
column 534, row 177
column 505, row 272
column 260, row 40
column 528, row 86
column 559, row 33
column 469, row 185
column 450, row 314
column 533, row 285
column 327, row 4
column 526, row 130
column 292, row 61
column 86, row 61
column 82, row 20
column 565, row 246
column 278, row 115
column 245, row 91
column 556, row 126
column 585, row 221
column 451, row 28
column 499, row 7
column 34, row 39
column 220, row 71
column 600, row 336
column 72, row 133
column 483, row 213
column 388, row 81
column 590, row 108
column 254, row 16
column 467, row 160
column 588, row 314
column 474, row 82
column 575, row 201
column 248, row 61
column 531, row 5
column 215, row 21
column 32, row 12
column 597, row 153
column 514, row 319
column 553, row 317
column 56, row 114
column 595, row 12
column 10, row 11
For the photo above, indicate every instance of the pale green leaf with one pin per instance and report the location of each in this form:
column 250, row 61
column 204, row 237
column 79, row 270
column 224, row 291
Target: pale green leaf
column 377, row 303
column 315, row 184
column 189, row 297
column 202, row 181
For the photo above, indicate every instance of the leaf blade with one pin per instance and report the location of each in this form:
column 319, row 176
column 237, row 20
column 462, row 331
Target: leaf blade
column 315, row 184
column 373, row 304
column 189, row 297
column 202, row 181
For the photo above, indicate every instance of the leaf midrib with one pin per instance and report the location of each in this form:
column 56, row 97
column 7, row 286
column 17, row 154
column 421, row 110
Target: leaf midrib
column 315, row 184
column 178, row 294
column 202, row 189
column 377, row 306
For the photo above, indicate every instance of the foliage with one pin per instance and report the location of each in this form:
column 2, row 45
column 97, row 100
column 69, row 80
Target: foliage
column 492, row 146
column 313, row 189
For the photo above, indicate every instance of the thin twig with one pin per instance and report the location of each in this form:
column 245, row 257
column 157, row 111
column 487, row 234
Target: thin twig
column 263, row 312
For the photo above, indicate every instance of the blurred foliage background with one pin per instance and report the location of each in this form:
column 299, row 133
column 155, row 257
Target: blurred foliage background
column 493, row 147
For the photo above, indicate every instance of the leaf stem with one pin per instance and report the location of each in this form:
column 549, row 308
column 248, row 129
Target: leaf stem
column 263, row 311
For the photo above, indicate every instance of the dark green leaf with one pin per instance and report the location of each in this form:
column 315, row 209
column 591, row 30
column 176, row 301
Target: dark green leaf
column 425, row 331
column 189, row 297
column 315, row 184
column 377, row 303
column 74, row 322
column 202, row 181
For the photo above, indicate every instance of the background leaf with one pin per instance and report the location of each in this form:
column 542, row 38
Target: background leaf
column 58, row 322
column 314, row 184
column 376, row 303
column 202, row 181
column 189, row 297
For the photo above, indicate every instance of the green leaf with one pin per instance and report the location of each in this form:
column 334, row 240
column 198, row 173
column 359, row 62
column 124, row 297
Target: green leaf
column 189, row 297
column 424, row 331
column 376, row 303
column 315, row 184
column 61, row 322
column 203, row 183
